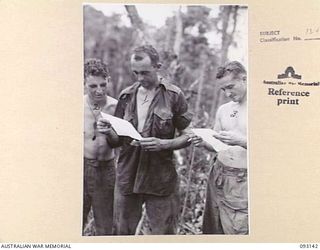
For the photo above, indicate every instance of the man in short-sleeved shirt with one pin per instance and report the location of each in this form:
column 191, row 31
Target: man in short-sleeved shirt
column 146, row 171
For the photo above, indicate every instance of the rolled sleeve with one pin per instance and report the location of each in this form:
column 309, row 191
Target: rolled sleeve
column 182, row 117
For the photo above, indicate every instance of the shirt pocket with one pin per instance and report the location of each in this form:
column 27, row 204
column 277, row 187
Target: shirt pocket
column 163, row 123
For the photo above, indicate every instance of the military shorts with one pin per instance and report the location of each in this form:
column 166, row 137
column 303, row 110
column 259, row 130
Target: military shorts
column 226, row 209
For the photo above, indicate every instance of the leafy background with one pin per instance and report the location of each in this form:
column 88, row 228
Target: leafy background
column 193, row 42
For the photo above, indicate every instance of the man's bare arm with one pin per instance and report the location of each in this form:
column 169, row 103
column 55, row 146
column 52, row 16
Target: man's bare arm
column 232, row 138
column 104, row 127
column 157, row 144
column 179, row 142
column 113, row 139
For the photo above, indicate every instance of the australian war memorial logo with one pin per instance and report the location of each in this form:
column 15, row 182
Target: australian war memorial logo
column 288, row 88
column 289, row 73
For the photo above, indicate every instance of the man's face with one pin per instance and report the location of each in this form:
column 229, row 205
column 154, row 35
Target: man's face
column 143, row 70
column 235, row 89
column 96, row 87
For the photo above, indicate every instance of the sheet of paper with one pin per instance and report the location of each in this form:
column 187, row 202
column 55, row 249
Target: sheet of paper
column 42, row 73
column 207, row 135
column 122, row 127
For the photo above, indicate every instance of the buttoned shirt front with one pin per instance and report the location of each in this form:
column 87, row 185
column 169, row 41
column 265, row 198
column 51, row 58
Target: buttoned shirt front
column 151, row 172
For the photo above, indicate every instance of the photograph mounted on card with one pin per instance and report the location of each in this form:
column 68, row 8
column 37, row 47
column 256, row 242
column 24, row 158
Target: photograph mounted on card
column 183, row 65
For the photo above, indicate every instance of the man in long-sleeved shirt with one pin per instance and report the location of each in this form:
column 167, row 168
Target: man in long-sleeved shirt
column 146, row 171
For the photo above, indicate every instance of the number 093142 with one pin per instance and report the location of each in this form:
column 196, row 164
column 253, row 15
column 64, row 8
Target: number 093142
column 308, row 246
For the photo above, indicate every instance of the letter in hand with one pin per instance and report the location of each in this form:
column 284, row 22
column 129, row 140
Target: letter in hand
column 104, row 126
column 152, row 144
column 230, row 138
column 135, row 143
column 196, row 140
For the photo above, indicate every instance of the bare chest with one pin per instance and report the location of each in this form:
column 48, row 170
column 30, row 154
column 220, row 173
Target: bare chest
column 235, row 119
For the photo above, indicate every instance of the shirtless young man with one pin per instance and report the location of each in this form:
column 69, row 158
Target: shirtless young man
column 226, row 210
column 99, row 165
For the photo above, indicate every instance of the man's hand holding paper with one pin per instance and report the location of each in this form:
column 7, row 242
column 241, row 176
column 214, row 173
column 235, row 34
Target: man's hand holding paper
column 203, row 136
column 152, row 144
column 231, row 138
column 104, row 126
column 121, row 127
column 196, row 140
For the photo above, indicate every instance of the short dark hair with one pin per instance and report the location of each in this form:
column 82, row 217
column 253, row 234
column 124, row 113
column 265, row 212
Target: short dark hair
column 95, row 67
column 235, row 68
column 150, row 51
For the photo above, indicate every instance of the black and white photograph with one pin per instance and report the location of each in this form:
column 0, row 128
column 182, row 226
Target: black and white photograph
column 165, row 119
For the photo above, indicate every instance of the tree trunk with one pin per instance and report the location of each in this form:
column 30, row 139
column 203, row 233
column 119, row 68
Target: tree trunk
column 137, row 23
column 192, row 152
column 227, row 38
column 227, row 13
column 179, row 33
